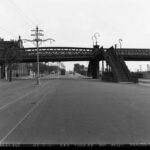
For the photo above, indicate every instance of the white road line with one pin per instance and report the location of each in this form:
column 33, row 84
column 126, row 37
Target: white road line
column 6, row 105
column 27, row 114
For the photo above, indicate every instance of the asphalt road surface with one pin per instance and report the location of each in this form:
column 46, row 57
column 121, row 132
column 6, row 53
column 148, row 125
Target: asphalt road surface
column 74, row 112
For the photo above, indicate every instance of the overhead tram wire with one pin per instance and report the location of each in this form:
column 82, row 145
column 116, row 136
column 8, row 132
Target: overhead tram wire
column 35, row 17
column 32, row 21
column 21, row 11
column 8, row 32
column 18, row 13
column 23, row 16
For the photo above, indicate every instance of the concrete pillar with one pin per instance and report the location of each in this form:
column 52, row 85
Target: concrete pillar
column 102, row 67
column 2, row 71
column 95, row 69
column 89, row 73
column 6, row 73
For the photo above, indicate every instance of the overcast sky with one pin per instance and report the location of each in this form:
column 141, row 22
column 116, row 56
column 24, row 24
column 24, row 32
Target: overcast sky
column 74, row 22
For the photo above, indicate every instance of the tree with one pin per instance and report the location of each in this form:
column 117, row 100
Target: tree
column 11, row 54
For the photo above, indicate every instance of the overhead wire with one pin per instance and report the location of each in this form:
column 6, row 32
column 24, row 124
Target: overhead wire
column 8, row 32
column 32, row 21
column 34, row 16
column 26, row 19
column 13, row 35
column 20, row 12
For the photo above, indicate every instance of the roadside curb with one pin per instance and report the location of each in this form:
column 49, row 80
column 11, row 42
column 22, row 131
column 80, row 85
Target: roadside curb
column 145, row 82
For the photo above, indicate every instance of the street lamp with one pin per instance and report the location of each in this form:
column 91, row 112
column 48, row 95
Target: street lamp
column 120, row 40
column 93, row 40
column 96, row 35
column 38, row 41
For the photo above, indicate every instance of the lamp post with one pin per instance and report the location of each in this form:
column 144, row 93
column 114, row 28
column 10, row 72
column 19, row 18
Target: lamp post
column 37, row 40
column 120, row 40
column 93, row 40
column 96, row 35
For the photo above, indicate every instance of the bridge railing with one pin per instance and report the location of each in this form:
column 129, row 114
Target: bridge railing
column 80, row 53
column 141, row 52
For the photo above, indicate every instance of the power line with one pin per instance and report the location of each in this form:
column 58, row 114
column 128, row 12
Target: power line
column 8, row 32
column 20, row 12
column 33, row 15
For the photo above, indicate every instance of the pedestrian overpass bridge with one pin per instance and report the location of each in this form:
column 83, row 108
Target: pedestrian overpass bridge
column 81, row 54
column 114, row 58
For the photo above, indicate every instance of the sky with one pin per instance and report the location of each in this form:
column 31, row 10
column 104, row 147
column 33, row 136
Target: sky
column 74, row 22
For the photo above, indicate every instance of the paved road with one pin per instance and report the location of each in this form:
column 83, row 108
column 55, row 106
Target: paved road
column 74, row 112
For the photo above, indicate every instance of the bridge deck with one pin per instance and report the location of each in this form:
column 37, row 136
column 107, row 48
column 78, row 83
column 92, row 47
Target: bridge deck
column 79, row 54
column 59, row 54
column 134, row 54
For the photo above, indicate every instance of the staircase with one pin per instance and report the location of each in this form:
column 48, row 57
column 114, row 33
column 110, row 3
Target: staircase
column 120, row 71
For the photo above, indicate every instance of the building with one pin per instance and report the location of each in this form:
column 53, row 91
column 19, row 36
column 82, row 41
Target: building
column 81, row 69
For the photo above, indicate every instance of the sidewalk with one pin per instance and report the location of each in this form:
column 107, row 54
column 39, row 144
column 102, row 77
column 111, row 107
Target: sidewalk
column 145, row 82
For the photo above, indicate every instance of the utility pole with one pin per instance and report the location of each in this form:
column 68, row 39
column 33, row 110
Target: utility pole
column 38, row 41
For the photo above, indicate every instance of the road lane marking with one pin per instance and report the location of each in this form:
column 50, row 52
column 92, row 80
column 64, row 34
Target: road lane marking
column 6, row 105
column 26, row 115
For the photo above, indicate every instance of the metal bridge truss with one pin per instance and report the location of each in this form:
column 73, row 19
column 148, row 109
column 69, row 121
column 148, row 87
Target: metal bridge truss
column 82, row 54
column 58, row 54
column 79, row 54
column 134, row 54
column 93, row 55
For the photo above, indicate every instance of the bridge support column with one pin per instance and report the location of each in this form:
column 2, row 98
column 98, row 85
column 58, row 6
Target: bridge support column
column 89, row 73
column 102, row 67
column 2, row 71
column 93, row 69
